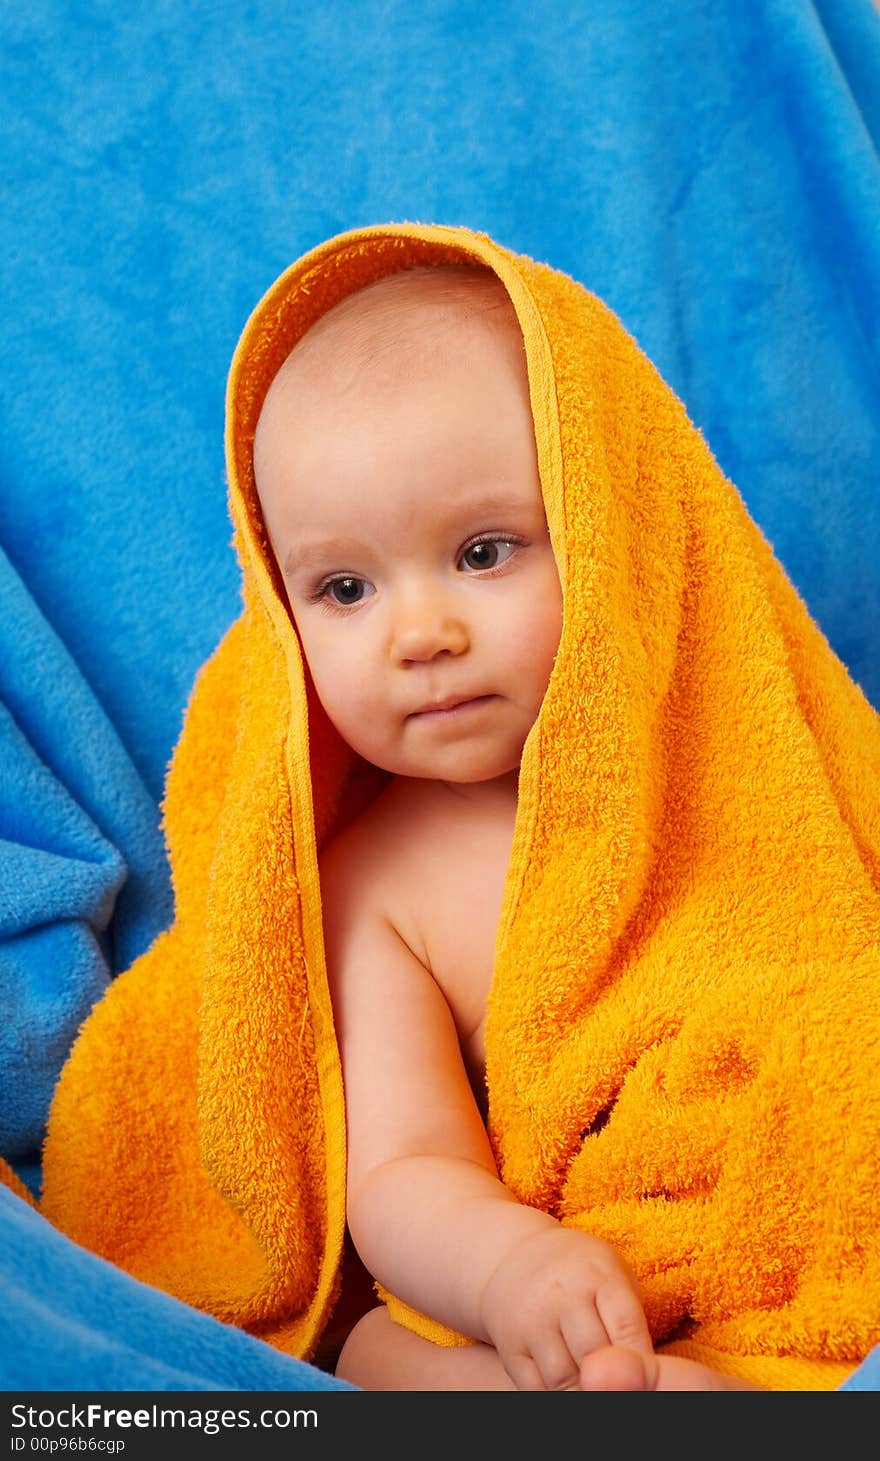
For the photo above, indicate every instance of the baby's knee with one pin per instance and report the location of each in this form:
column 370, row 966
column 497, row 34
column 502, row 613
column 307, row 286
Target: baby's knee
column 364, row 1349
column 380, row 1354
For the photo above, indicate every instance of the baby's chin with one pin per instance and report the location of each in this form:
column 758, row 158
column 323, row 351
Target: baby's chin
column 465, row 769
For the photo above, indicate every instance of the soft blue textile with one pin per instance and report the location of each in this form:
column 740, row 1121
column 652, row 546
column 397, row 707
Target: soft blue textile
column 867, row 1376
column 73, row 1322
column 711, row 171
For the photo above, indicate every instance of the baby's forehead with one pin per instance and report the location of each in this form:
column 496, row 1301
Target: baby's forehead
column 408, row 322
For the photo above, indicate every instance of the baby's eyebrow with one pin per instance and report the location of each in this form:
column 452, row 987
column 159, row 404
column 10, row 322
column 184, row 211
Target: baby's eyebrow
column 305, row 555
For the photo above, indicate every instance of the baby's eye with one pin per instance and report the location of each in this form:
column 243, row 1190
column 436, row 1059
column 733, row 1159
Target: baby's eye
column 488, row 552
column 344, row 591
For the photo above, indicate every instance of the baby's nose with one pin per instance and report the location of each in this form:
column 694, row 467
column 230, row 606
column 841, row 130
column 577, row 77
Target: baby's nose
column 423, row 630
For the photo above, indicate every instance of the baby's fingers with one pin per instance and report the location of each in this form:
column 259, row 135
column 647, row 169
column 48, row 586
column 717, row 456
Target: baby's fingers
column 623, row 1317
column 549, row 1365
column 583, row 1329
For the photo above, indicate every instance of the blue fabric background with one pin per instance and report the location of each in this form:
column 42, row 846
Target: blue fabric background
column 710, row 171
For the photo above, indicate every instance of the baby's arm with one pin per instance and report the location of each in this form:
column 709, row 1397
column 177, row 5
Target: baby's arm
column 426, row 1210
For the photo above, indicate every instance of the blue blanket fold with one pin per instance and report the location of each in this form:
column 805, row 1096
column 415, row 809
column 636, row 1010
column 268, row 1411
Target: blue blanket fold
column 712, row 172
column 84, row 886
column 73, row 1322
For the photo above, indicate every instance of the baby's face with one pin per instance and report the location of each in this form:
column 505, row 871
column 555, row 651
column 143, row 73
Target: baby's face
column 407, row 519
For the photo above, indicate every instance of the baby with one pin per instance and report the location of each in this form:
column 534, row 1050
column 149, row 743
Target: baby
column 396, row 466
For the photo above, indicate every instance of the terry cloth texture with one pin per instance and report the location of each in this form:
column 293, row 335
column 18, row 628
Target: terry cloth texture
column 682, row 1032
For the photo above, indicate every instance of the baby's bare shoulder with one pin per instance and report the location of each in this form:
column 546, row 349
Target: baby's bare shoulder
column 372, row 876
column 370, row 862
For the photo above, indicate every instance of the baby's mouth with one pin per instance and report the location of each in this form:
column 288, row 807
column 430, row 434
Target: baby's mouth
column 445, row 709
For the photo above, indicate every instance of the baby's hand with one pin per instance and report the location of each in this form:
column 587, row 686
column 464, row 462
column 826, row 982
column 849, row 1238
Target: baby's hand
column 556, row 1296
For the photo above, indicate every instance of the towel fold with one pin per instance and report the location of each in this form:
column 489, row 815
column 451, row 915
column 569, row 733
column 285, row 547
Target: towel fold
column 682, row 1031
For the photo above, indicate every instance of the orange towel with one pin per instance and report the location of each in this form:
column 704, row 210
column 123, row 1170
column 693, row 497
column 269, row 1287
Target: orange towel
column 682, row 1036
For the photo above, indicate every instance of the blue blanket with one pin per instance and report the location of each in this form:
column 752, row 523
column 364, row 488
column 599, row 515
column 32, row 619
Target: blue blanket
column 74, row 1322
column 712, row 172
